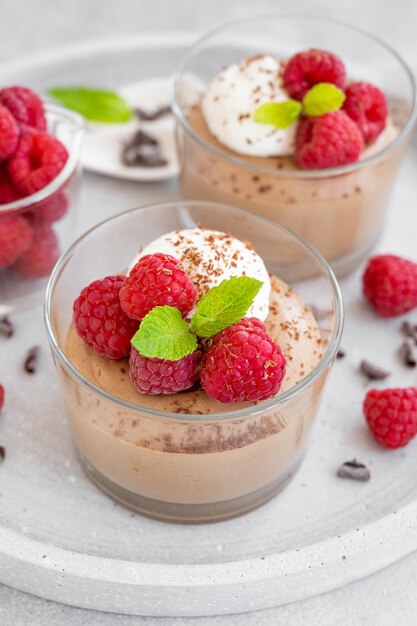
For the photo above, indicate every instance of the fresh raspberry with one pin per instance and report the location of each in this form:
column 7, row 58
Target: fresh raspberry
column 157, row 280
column 25, row 106
column 154, row 376
column 327, row 141
column 49, row 210
column 1, row 397
column 390, row 284
column 243, row 363
column 38, row 159
column 306, row 69
column 9, row 133
column 366, row 105
column 39, row 260
column 391, row 415
column 100, row 321
column 8, row 192
column 16, row 236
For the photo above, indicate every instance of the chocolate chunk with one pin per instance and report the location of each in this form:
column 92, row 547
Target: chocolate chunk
column 147, row 116
column 31, row 361
column 373, row 372
column 6, row 327
column 408, row 353
column 340, row 354
column 409, row 330
column 142, row 150
column 354, row 471
column 2, row 453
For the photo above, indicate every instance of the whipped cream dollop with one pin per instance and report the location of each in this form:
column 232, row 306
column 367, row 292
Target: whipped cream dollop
column 231, row 99
column 210, row 256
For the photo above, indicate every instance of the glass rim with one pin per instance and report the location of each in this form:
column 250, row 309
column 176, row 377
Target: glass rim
column 316, row 173
column 78, row 122
column 249, row 411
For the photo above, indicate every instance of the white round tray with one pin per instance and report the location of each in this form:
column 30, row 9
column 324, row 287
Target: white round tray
column 62, row 539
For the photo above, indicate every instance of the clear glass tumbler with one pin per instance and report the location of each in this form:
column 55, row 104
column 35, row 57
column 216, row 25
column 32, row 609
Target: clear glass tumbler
column 182, row 467
column 53, row 209
column 340, row 211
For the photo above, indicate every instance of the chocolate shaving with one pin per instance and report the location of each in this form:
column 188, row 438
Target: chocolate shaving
column 6, row 328
column 340, row 354
column 2, row 453
column 147, row 116
column 31, row 361
column 373, row 372
column 408, row 353
column 142, row 149
column 354, row 471
column 409, row 330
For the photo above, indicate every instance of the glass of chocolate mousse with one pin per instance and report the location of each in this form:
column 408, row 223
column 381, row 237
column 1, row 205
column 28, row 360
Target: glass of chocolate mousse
column 187, row 456
column 325, row 171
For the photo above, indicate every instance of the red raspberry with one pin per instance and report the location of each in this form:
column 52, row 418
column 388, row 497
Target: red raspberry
column 243, row 363
column 327, row 141
column 25, row 106
column 49, row 210
column 39, row 260
column 1, row 397
column 38, row 159
column 100, row 321
column 157, row 280
column 390, row 284
column 366, row 105
column 153, row 376
column 391, row 415
column 8, row 192
column 16, row 236
column 306, row 69
column 9, row 133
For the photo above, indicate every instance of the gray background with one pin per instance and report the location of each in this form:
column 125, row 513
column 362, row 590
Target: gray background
column 28, row 26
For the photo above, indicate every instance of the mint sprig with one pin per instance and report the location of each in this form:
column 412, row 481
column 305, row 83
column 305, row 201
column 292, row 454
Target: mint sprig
column 163, row 334
column 96, row 105
column 279, row 114
column 319, row 100
column 224, row 305
column 322, row 98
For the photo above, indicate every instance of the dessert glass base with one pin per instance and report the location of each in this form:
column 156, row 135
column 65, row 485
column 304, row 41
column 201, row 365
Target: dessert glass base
column 186, row 457
column 341, row 211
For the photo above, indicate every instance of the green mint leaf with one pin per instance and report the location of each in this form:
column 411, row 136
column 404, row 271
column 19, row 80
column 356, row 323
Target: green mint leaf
column 279, row 114
column 322, row 98
column 224, row 305
column 165, row 335
column 96, row 105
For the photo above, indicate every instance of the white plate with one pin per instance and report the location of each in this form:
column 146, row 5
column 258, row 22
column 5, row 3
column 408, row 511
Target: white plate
column 103, row 144
column 61, row 538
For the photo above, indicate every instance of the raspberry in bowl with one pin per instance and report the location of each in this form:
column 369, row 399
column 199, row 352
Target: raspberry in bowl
column 40, row 146
column 299, row 119
column 190, row 361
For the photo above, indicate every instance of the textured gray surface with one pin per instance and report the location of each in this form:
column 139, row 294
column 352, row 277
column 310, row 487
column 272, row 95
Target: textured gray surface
column 389, row 594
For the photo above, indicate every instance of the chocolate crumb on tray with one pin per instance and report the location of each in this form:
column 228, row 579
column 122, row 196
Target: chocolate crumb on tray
column 409, row 330
column 408, row 353
column 6, row 328
column 2, row 453
column 143, row 150
column 373, row 372
column 354, row 471
column 31, row 361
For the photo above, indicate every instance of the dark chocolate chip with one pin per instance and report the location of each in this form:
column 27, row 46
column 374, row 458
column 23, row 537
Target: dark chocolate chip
column 142, row 150
column 340, row 354
column 31, row 360
column 409, row 330
column 373, row 372
column 2, row 453
column 409, row 353
column 354, row 471
column 6, row 327
column 147, row 116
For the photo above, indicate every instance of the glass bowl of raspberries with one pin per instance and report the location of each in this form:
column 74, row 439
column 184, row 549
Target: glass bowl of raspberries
column 300, row 119
column 40, row 145
column 192, row 349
